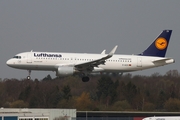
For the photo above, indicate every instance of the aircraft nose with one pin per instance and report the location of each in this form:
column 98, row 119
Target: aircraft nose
column 9, row 62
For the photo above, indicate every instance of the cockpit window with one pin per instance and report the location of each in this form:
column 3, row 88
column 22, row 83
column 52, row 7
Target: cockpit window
column 17, row 57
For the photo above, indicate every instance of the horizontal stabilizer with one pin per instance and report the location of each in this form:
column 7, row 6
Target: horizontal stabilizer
column 163, row 60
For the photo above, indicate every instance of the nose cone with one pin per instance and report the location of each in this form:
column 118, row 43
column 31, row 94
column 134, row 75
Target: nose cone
column 9, row 62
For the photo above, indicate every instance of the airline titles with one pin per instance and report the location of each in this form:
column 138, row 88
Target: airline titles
column 46, row 55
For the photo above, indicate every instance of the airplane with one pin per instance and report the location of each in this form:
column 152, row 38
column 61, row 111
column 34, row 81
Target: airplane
column 162, row 118
column 83, row 64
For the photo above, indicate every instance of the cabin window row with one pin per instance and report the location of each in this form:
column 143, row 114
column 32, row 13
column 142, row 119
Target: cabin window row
column 82, row 59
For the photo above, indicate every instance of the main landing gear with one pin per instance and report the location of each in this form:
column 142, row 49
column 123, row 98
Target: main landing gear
column 121, row 73
column 29, row 77
column 85, row 79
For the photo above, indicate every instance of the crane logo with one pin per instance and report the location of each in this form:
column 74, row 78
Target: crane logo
column 161, row 43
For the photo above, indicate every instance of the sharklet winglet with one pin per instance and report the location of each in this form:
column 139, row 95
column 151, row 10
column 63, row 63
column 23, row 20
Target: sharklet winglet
column 113, row 51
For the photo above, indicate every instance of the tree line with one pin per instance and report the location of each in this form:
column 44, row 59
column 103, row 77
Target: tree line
column 126, row 93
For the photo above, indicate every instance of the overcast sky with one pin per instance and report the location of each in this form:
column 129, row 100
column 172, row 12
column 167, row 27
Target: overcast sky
column 87, row 26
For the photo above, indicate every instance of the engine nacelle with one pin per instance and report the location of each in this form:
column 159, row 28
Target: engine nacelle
column 65, row 71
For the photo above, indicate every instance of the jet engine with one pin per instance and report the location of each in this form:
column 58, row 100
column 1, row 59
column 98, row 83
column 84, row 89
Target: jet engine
column 65, row 71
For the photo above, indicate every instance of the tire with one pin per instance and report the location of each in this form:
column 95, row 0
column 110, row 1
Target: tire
column 28, row 77
column 85, row 79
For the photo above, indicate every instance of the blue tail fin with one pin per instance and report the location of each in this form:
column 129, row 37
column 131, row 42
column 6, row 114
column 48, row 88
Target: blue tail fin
column 159, row 46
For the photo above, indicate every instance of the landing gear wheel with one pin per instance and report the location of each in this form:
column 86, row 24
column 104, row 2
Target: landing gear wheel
column 28, row 77
column 85, row 79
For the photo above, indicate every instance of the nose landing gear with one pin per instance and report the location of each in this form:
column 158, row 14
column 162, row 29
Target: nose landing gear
column 29, row 77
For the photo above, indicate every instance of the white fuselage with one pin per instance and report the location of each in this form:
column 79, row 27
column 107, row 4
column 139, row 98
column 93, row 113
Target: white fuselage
column 117, row 63
column 162, row 118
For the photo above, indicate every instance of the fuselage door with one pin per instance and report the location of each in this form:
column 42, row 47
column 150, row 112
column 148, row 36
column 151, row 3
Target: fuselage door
column 29, row 57
column 139, row 62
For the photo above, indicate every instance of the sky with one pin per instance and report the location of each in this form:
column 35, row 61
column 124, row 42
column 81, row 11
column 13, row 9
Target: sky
column 85, row 26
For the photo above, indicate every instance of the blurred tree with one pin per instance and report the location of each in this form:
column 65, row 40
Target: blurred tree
column 71, row 103
column 19, row 104
column 155, row 75
column 66, row 92
column 130, row 92
column 161, row 99
column 149, row 106
column 106, row 90
column 84, row 102
column 48, row 77
column 172, row 73
column 121, row 106
column 172, row 105
column 55, row 97
column 25, row 94
column 33, row 102
column 156, row 92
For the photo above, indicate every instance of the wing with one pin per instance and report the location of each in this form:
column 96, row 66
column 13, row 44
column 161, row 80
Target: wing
column 89, row 66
